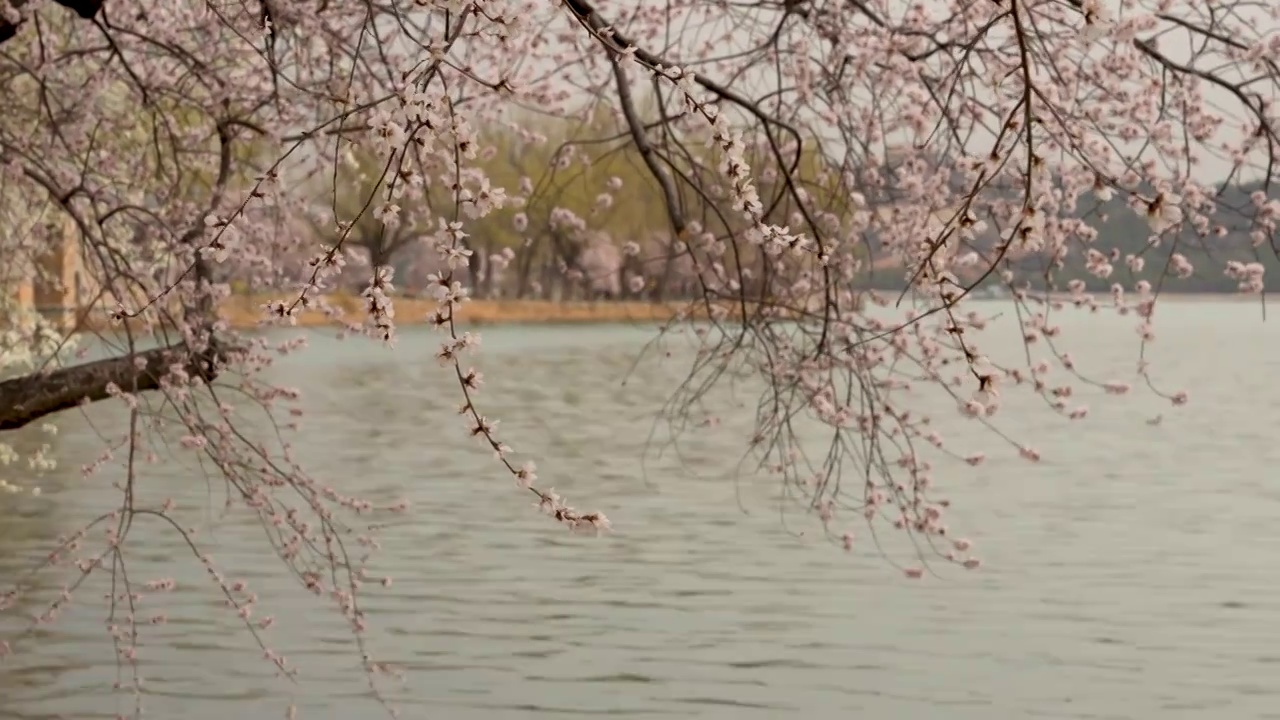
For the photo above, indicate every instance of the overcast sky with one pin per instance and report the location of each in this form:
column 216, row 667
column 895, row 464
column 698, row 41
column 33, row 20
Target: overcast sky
column 686, row 43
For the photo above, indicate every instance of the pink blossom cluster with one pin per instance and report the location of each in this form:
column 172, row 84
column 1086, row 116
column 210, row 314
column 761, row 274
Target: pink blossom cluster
column 830, row 184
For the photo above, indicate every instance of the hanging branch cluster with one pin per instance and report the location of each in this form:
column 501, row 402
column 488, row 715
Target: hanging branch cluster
column 831, row 181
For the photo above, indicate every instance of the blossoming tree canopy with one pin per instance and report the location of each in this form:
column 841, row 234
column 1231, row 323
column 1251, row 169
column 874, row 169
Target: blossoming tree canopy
column 833, row 180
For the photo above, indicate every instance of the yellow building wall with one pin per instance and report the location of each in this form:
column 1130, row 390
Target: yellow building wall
column 58, row 292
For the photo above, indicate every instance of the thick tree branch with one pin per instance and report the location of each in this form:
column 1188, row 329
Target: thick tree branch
column 25, row 399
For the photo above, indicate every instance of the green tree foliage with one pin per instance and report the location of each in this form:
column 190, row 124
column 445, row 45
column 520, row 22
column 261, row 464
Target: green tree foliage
column 557, row 171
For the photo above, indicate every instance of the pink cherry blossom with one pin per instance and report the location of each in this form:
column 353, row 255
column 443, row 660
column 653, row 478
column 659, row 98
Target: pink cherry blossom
column 364, row 165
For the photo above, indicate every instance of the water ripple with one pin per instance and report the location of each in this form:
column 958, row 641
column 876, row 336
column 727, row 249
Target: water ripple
column 1122, row 583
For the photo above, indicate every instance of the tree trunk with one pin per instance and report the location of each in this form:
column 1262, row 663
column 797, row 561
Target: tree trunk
column 524, row 267
column 490, row 270
column 379, row 256
column 474, row 272
column 550, row 279
column 664, row 276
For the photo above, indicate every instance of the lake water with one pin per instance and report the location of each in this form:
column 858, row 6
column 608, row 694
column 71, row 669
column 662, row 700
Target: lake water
column 1131, row 574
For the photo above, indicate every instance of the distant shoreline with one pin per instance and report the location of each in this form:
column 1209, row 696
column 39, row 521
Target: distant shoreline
column 244, row 312
column 1165, row 297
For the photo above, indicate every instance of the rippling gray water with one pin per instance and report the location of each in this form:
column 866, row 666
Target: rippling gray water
column 1129, row 575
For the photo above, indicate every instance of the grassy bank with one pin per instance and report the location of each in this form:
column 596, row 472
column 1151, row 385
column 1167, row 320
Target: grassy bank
column 245, row 311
